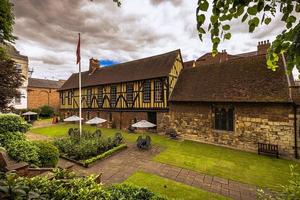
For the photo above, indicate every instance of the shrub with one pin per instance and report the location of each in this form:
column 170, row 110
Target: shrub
column 23, row 150
column 48, row 154
column 7, row 137
column 13, row 123
column 117, row 139
column 86, row 146
column 60, row 187
column 143, row 143
column 105, row 154
column 46, row 111
column 131, row 192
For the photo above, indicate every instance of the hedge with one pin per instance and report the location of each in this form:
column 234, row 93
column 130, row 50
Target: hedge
column 13, row 123
column 104, row 155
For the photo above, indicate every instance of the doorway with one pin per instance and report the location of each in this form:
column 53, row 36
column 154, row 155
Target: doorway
column 152, row 117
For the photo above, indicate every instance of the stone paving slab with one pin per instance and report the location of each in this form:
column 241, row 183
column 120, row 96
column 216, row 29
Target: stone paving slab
column 119, row 167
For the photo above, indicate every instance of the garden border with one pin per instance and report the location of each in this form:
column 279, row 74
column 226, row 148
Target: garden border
column 89, row 162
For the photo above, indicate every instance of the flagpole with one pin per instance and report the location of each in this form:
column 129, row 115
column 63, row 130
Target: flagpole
column 80, row 114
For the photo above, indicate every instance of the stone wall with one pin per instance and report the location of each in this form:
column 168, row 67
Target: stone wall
column 38, row 97
column 268, row 123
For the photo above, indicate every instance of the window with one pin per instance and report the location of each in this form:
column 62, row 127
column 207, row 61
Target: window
column 89, row 97
column 18, row 68
column 224, row 118
column 70, row 95
column 129, row 92
column 62, row 98
column 147, row 91
column 18, row 100
column 158, row 91
column 113, row 95
column 100, row 96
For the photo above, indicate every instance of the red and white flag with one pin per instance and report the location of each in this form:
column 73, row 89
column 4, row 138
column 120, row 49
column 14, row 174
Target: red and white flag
column 78, row 50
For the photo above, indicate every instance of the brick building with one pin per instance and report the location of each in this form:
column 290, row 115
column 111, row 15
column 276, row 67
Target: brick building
column 43, row 92
column 236, row 101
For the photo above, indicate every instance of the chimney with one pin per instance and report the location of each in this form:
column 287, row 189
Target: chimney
column 263, row 47
column 94, row 65
column 223, row 56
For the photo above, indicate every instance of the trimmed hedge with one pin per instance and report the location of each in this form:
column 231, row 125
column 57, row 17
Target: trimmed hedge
column 13, row 123
column 105, row 154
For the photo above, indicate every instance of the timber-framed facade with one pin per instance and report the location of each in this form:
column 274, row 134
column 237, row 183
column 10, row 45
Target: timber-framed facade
column 142, row 86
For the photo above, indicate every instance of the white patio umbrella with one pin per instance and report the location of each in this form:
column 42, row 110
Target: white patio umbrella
column 73, row 118
column 29, row 113
column 96, row 120
column 143, row 124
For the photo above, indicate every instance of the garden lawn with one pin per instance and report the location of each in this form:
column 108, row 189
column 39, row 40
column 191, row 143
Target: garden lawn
column 209, row 159
column 170, row 189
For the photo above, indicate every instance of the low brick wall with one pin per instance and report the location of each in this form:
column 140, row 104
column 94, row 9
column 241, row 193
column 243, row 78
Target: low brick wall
column 253, row 123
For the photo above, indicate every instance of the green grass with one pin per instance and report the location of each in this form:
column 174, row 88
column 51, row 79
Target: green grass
column 170, row 189
column 209, row 159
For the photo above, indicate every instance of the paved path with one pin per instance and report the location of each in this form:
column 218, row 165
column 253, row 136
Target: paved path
column 119, row 167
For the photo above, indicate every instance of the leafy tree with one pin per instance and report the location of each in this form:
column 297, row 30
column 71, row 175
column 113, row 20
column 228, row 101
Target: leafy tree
column 6, row 22
column 11, row 78
column 254, row 13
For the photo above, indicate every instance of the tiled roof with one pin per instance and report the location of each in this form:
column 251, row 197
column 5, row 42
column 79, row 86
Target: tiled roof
column 146, row 68
column 44, row 83
column 244, row 79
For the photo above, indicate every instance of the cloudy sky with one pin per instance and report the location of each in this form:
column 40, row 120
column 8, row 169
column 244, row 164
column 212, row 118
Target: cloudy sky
column 47, row 32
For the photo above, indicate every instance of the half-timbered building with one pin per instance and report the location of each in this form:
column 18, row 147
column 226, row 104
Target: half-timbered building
column 126, row 92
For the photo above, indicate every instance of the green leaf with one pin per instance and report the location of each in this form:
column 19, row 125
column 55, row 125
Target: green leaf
column 203, row 5
column 214, row 19
column 252, row 10
column 239, row 11
column 226, row 27
column 267, row 20
column 227, row 36
column 216, row 40
column 251, row 28
column 201, row 30
column 201, row 19
column 245, row 17
column 297, row 8
column 200, row 37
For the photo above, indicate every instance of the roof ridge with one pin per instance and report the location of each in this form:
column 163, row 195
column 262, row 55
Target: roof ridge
column 132, row 61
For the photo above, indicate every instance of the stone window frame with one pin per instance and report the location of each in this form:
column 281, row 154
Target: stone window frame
column 147, row 91
column 227, row 107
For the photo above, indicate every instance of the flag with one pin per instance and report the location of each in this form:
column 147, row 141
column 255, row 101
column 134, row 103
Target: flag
column 78, row 50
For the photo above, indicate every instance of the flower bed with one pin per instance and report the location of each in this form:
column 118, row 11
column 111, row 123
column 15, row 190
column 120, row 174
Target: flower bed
column 89, row 147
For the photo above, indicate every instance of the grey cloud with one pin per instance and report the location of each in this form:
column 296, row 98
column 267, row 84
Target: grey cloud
column 47, row 31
